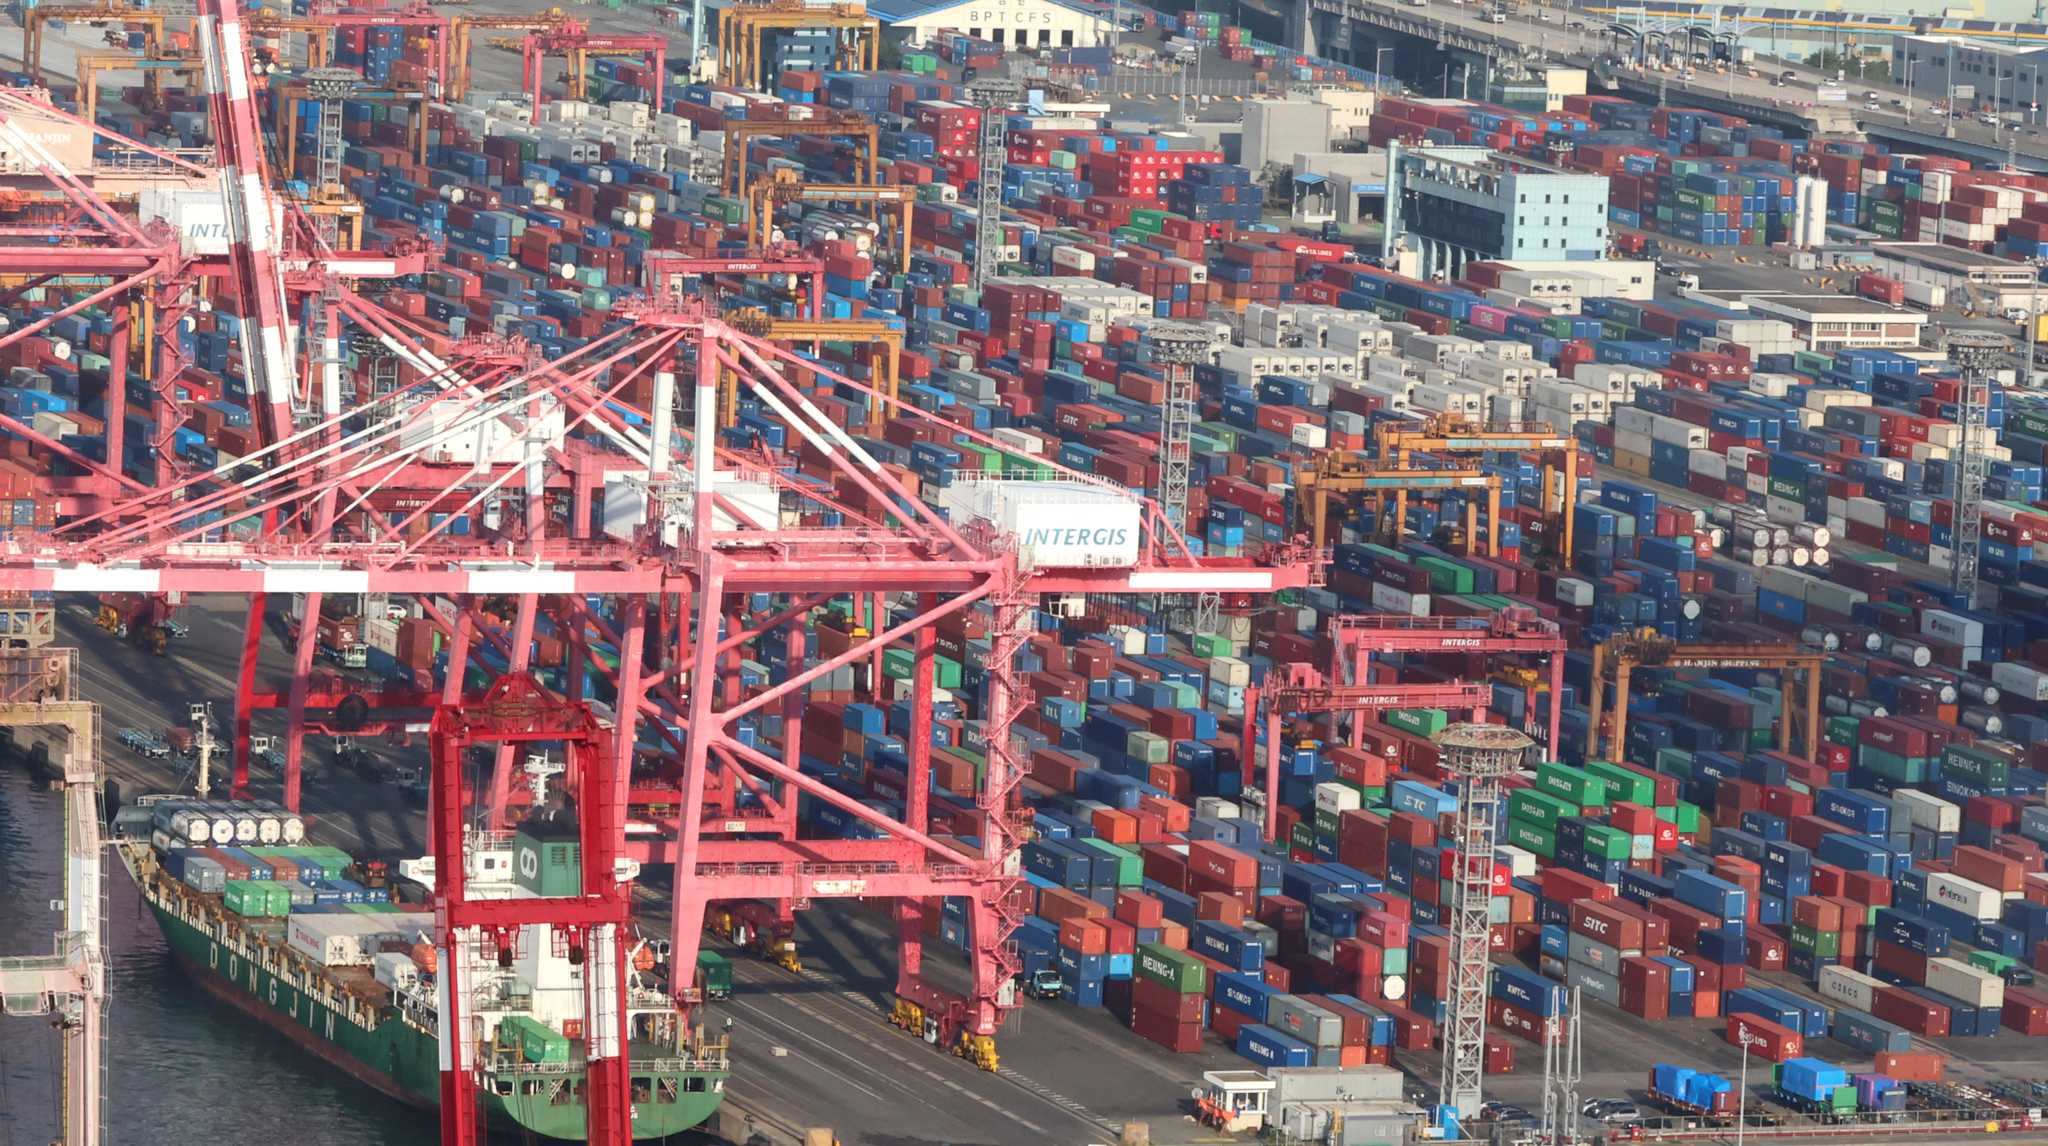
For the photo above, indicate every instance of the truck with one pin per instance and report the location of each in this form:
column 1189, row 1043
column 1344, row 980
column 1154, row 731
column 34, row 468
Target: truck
column 1882, row 289
column 1688, row 1091
column 714, row 976
column 1926, row 296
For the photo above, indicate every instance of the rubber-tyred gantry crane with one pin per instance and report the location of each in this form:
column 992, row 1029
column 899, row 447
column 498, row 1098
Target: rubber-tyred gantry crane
column 1350, row 684
column 574, row 41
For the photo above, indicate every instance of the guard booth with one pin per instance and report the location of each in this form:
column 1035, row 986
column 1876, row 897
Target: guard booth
column 1234, row 1101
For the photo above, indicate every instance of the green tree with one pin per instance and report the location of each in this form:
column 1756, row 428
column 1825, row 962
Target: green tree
column 1853, row 66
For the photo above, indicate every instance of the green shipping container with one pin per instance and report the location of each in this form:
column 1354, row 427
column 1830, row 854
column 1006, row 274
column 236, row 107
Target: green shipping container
column 1177, row 969
column 1130, row 867
column 1208, row 645
column 1420, row 721
column 1606, row 842
column 250, row 898
column 1623, row 785
column 1302, row 836
column 1813, row 942
column 1326, row 821
column 2032, row 423
column 1891, row 765
column 1573, row 785
column 537, row 1042
column 1532, row 837
column 1539, row 808
column 897, row 664
column 1992, row 961
column 725, row 210
column 1786, row 488
column 1843, row 730
column 1989, row 769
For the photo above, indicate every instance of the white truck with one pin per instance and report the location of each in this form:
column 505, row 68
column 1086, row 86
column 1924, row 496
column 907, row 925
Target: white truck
column 1926, row 296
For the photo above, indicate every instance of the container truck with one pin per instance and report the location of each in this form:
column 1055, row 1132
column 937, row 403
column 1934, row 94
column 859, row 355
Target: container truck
column 1926, row 296
column 1882, row 289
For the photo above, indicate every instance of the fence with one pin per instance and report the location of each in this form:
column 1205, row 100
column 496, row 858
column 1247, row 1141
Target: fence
column 1171, row 84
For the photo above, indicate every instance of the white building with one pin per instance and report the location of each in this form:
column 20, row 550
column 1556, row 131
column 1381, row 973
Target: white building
column 1831, row 322
column 1013, row 23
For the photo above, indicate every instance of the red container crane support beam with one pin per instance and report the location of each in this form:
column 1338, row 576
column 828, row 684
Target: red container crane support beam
column 516, row 710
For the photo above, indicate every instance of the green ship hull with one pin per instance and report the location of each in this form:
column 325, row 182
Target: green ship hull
column 391, row 1051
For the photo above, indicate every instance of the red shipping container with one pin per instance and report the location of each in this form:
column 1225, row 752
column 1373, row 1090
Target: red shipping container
column 1161, row 999
column 1232, row 868
column 2025, row 1012
column 1601, row 921
column 1527, row 1024
column 1766, row 952
column 1911, row 1066
column 1921, row 1016
column 1763, row 1038
column 1500, row 1056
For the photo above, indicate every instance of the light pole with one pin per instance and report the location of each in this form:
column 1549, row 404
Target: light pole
column 2033, row 91
column 1742, row 1096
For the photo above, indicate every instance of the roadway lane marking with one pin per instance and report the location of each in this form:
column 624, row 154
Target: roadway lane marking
column 800, row 1033
column 868, row 1008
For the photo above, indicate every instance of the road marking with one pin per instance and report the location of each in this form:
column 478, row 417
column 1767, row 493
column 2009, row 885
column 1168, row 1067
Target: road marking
column 869, row 1008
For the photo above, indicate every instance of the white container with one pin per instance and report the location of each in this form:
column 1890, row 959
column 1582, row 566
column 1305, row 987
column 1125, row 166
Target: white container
column 326, row 939
column 1972, row 899
column 1399, row 600
column 1956, row 630
column 2020, row 680
column 1335, row 797
column 1230, row 671
column 1972, row 985
column 1848, row 987
column 1930, row 812
column 396, row 970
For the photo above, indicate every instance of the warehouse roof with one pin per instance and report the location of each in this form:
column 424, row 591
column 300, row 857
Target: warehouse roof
column 1832, row 305
column 901, row 11
column 1943, row 253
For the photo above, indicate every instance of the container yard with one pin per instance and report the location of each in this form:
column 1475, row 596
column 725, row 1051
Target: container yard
column 580, row 557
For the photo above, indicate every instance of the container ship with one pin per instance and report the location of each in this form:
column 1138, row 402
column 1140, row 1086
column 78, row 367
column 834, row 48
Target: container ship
column 271, row 925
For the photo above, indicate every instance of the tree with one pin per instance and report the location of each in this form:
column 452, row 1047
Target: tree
column 1852, row 65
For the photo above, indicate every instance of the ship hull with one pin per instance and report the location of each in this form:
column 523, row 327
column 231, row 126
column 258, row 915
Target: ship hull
column 401, row 1061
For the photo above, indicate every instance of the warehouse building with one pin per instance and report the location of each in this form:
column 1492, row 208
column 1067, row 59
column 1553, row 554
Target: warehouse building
column 1974, row 74
column 1013, row 23
column 1458, row 205
column 1831, row 322
column 1984, row 283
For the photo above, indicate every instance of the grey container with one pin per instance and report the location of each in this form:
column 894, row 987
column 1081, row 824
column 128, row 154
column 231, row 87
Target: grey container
column 1597, row 984
column 1297, row 1018
column 1590, row 952
column 1870, row 1034
column 205, row 875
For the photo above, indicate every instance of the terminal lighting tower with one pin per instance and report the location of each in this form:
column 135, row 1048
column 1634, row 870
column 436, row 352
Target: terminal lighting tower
column 1976, row 353
column 330, row 86
column 1177, row 348
column 1479, row 756
column 995, row 98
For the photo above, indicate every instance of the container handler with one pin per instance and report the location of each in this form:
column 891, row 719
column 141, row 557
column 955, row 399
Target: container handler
column 755, row 926
column 135, row 616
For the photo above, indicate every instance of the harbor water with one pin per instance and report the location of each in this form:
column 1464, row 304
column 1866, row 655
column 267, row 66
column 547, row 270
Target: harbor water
column 183, row 1068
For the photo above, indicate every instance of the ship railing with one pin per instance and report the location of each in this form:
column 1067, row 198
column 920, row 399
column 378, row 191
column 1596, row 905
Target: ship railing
column 579, row 1064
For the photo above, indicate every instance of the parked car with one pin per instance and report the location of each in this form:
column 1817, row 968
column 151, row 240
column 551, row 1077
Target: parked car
column 1612, row 1111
